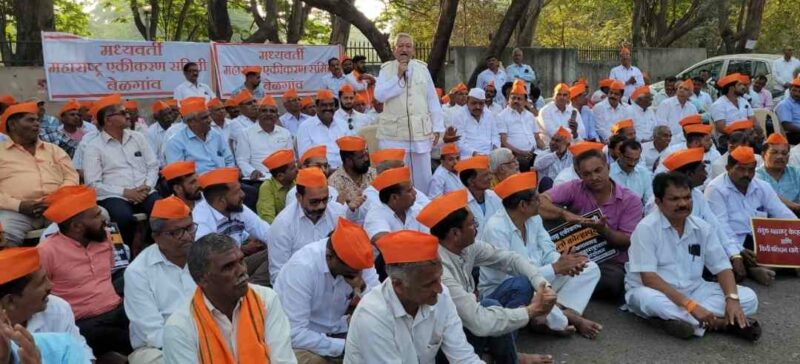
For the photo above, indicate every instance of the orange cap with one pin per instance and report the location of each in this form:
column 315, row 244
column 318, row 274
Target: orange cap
column 744, row 155
column 733, row 77
column 687, row 84
column 7, row 99
column 346, row 88
column 251, row 69
column 105, row 102
column 68, row 206
column 383, row 155
column 24, row 108
column 87, row 104
column 289, row 94
column 622, row 124
column 306, row 101
column 441, row 207
column 577, row 90
column 391, row 177
column 617, row 85
column 683, row 157
column 267, row 101
column 476, row 162
column 18, row 263
column 461, row 87
column 745, row 79
column 311, row 178
column 518, row 88
column 317, row 151
column 241, row 97
column 189, row 107
column 738, row 125
column 72, row 104
column 640, row 91
column 583, row 147
column 64, row 192
column 351, row 143
column 324, row 95
column 171, row 102
column 230, row 103
column 131, row 105
column 279, row 159
column 516, row 183
column 178, row 169
column 158, row 106
column 352, row 245
column 449, row 148
column 170, row 208
column 564, row 132
column 777, row 138
column 697, row 129
column 796, row 82
column 219, row 176
column 606, row 82
column 691, row 120
column 408, row 246
column 214, row 103
column 560, row 87
column 361, row 99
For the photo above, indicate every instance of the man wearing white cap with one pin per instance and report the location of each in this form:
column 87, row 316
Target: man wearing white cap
column 476, row 126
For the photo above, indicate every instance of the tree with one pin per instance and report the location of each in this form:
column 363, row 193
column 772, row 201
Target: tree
column 527, row 25
column 219, row 21
column 22, row 22
column 441, row 40
column 340, row 28
column 659, row 23
column 500, row 39
column 748, row 24
column 347, row 11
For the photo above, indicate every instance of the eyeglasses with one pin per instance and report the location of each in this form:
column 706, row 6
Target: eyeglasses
column 350, row 123
column 178, row 233
column 122, row 113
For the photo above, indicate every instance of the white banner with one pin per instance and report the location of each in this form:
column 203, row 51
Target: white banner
column 284, row 66
column 83, row 68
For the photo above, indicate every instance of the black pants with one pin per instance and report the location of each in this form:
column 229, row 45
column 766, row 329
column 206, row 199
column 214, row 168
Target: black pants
column 250, row 189
column 107, row 332
column 121, row 212
column 612, row 282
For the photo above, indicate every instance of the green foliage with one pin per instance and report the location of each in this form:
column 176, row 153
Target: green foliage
column 475, row 22
column 70, row 17
column 588, row 23
column 780, row 26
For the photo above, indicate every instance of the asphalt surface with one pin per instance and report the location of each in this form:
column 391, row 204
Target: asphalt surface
column 626, row 338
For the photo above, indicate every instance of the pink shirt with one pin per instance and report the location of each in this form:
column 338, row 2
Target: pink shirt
column 81, row 276
column 623, row 210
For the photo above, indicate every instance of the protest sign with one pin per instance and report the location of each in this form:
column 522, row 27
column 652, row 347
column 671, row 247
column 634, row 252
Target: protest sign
column 284, row 66
column 82, row 68
column 776, row 242
column 584, row 240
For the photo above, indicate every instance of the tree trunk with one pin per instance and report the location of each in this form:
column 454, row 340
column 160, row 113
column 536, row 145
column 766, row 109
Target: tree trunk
column 636, row 23
column 340, row 28
column 181, row 20
column 752, row 27
column 500, row 40
column 650, row 26
column 346, row 10
column 147, row 31
column 267, row 28
column 219, row 21
column 527, row 26
column 33, row 16
column 441, row 40
column 295, row 27
column 271, row 7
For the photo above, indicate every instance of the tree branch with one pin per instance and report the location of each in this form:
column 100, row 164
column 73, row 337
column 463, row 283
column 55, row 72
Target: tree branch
column 350, row 13
column 181, row 19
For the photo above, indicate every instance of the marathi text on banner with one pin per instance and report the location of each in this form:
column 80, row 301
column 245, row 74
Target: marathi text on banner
column 776, row 242
column 83, row 68
column 582, row 239
column 283, row 66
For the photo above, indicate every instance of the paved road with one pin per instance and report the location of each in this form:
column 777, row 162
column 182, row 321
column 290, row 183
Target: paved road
column 629, row 339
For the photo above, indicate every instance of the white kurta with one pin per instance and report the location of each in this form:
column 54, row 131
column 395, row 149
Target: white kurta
column 491, row 204
column 381, row 331
column 255, row 144
column 551, row 119
column 670, row 113
column 240, row 225
column 607, row 116
column 443, row 181
column 643, row 121
column 520, row 128
column 381, row 220
column 622, row 74
column 315, row 301
column 477, row 136
column 313, row 132
column 58, row 317
column 291, row 122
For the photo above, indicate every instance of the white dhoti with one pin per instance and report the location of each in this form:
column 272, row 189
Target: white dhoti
column 647, row 302
column 573, row 293
column 418, row 159
column 146, row 355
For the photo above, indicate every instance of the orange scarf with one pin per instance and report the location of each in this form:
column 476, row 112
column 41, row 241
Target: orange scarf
column 250, row 344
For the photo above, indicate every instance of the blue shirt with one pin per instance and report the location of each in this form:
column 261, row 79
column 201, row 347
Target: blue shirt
column 55, row 348
column 523, row 72
column 787, row 187
column 788, row 111
column 209, row 154
column 587, row 116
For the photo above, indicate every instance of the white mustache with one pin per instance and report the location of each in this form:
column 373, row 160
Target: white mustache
column 242, row 279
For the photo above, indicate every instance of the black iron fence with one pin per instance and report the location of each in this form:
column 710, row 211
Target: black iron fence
column 365, row 49
column 600, row 55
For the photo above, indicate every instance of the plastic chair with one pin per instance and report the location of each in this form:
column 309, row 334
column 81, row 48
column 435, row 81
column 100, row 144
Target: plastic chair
column 370, row 133
column 761, row 118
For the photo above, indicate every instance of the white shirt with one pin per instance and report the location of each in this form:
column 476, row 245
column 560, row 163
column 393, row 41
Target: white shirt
column 77, row 158
column 315, row 301
column 476, row 136
column 255, row 144
column 291, row 196
column 494, row 108
column 704, row 99
column 783, row 70
column 58, row 317
column 606, row 116
column 381, row 219
column 181, row 339
column 374, row 199
column 670, row 113
column 188, row 89
column 243, row 123
column 292, row 122
column 650, row 154
column 622, row 74
column 492, row 203
column 154, row 289
column 356, row 119
column 240, row 226
column 353, row 81
column 519, row 128
column 719, row 166
column 333, row 83
column 566, row 175
column 794, row 156
column 639, row 181
column 499, row 79
column 659, row 98
column 551, row 118
column 450, row 113
column 228, row 130
column 643, row 121
column 292, row 230
column 111, row 167
column 381, row 331
column 723, row 109
column 734, row 209
column 548, row 164
column 313, row 132
column 443, row 181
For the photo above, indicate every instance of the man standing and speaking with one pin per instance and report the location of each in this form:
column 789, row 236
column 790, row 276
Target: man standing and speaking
column 412, row 116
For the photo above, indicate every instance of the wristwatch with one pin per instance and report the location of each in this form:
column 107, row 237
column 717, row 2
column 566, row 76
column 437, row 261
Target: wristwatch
column 732, row 296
